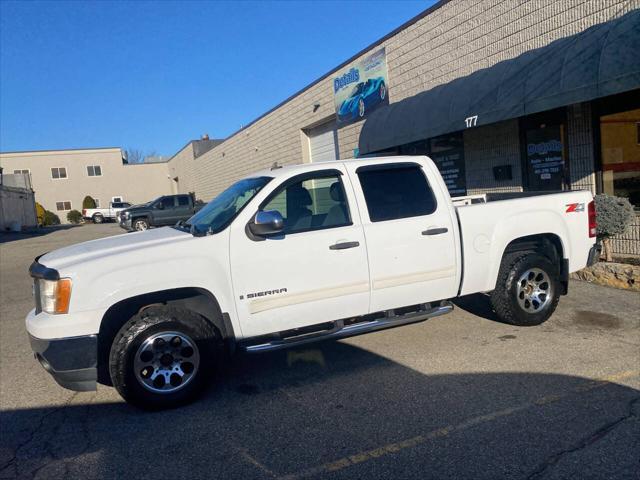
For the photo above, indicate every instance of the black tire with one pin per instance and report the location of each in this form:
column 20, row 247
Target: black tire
column 156, row 321
column 140, row 224
column 97, row 218
column 508, row 298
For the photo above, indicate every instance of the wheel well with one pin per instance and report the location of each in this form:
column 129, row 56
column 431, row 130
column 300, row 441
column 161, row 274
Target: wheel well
column 197, row 300
column 547, row 244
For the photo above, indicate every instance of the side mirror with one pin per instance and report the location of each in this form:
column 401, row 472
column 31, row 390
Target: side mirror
column 267, row 223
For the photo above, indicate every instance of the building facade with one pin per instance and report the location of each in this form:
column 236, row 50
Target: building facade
column 62, row 178
column 505, row 96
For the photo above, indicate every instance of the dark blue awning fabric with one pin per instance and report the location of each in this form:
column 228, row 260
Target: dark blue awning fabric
column 600, row 61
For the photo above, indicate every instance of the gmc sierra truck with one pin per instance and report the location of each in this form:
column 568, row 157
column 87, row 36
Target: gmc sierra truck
column 163, row 211
column 293, row 255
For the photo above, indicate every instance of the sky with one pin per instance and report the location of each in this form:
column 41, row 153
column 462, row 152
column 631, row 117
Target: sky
column 152, row 76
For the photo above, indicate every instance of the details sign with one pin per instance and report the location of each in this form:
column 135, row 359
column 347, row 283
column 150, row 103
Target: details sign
column 361, row 87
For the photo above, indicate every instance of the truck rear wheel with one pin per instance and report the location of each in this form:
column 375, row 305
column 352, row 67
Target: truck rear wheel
column 527, row 290
column 97, row 218
column 163, row 357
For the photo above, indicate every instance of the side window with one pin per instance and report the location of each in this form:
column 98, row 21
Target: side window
column 183, row 201
column 396, row 192
column 168, row 202
column 312, row 204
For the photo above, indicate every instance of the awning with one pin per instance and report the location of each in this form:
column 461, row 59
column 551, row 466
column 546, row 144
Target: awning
column 602, row 60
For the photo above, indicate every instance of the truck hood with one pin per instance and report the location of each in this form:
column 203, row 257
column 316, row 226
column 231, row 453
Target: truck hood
column 111, row 246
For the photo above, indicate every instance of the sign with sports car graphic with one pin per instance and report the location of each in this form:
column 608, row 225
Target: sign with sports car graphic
column 361, row 87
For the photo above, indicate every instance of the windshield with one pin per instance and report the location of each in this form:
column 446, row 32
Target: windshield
column 220, row 211
column 357, row 89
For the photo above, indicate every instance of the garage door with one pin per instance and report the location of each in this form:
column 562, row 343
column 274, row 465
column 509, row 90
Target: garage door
column 323, row 146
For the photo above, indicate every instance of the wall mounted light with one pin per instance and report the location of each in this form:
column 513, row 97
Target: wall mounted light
column 316, row 106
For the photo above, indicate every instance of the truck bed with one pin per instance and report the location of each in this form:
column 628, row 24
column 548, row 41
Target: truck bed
column 487, row 223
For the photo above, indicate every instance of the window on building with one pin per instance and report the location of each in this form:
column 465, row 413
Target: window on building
column 116, row 199
column 620, row 143
column 97, row 200
column 396, row 192
column 23, row 171
column 62, row 206
column 59, row 172
column 312, row 204
column 94, row 171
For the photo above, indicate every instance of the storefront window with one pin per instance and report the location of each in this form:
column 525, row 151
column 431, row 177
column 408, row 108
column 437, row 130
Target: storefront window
column 447, row 152
column 620, row 143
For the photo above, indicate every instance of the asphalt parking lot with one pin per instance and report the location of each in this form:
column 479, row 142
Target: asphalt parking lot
column 459, row 396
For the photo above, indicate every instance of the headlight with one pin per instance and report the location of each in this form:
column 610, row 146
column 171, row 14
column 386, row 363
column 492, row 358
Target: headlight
column 54, row 295
column 124, row 214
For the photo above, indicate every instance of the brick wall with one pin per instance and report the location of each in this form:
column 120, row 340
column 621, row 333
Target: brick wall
column 580, row 147
column 491, row 146
column 458, row 38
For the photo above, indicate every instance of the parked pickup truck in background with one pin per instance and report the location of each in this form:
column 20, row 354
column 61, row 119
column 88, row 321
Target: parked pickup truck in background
column 166, row 210
column 99, row 215
column 293, row 255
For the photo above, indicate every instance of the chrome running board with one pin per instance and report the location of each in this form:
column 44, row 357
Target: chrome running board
column 340, row 330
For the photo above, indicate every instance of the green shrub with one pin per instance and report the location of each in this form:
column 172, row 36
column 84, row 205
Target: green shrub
column 88, row 202
column 51, row 218
column 614, row 215
column 74, row 216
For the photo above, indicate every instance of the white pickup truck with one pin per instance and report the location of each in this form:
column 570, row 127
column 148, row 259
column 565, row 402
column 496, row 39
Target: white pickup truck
column 293, row 255
column 99, row 215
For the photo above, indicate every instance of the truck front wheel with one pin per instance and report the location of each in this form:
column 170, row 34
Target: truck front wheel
column 527, row 290
column 163, row 357
column 140, row 225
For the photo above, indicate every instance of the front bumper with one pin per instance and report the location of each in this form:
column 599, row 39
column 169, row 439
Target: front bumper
column 72, row 362
column 126, row 224
column 594, row 254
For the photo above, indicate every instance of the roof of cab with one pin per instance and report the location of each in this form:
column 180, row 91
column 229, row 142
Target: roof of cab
column 288, row 170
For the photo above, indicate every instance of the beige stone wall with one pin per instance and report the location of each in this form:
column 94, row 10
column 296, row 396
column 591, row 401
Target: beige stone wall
column 182, row 167
column 457, row 39
column 134, row 183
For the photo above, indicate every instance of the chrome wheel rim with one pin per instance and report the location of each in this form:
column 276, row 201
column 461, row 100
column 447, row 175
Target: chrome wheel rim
column 141, row 226
column 383, row 92
column 361, row 108
column 166, row 362
column 534, row 290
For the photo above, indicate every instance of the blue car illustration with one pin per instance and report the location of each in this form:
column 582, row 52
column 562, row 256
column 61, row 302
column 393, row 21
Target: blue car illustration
column 363, row 97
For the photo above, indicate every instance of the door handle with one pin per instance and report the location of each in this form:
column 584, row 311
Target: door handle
column 344, row 245
column 435, row 231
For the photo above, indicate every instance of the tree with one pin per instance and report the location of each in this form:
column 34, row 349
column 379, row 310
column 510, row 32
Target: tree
column 88, row 202
column 134, row 155
column 40, row 212
column 74, row 216
column 613, row 216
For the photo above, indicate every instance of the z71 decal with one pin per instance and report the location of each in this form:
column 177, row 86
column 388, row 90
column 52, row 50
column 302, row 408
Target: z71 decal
column 574, row 207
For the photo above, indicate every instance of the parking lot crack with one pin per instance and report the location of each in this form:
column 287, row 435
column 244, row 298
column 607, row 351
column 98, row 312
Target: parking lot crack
column 586, row 442
column 13, row 461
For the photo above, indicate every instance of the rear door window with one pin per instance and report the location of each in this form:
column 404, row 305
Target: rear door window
column 396, row 191
column 183, row 201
